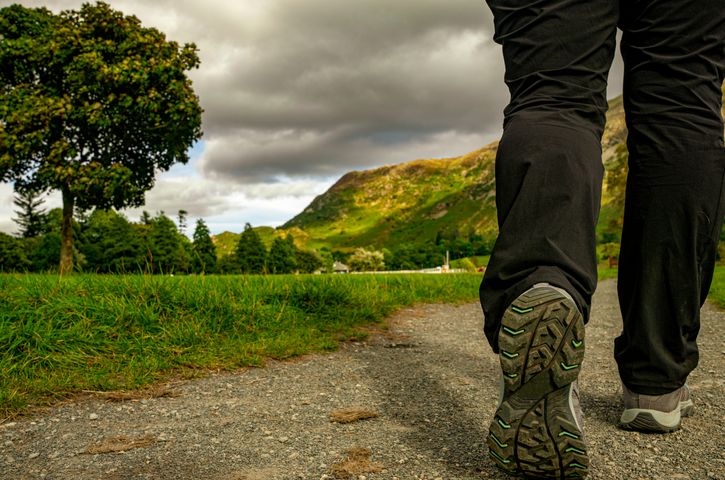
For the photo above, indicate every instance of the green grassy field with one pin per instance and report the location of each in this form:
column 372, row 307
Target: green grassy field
column 100, row 333
column 91, row 332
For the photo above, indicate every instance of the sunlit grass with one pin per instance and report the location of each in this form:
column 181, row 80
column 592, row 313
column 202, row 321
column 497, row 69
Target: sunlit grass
column 717, row 291
column 91, row 332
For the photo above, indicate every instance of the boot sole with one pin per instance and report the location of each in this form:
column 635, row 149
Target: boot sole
column 654, row 421
column 534, row 431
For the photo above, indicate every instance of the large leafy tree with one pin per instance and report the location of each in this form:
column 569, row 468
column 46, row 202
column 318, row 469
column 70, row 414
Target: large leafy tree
column 91, row 104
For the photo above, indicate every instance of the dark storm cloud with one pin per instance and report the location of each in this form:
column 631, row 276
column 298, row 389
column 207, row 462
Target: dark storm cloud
column 298, row 88
column 318, row 86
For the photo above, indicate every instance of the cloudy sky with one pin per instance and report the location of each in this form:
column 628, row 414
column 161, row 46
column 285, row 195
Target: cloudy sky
column 298, row 92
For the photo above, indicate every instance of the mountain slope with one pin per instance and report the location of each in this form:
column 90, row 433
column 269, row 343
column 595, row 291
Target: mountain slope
column 406, row 203
column 415, row 202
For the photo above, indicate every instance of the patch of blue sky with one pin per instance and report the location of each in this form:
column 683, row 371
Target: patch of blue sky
column 190, row 169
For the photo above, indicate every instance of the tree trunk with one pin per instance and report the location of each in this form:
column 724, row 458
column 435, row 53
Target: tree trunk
column 66, row 233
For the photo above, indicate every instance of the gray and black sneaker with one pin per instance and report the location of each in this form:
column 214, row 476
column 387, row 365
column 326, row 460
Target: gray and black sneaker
column 655, row 413
column 537, row 430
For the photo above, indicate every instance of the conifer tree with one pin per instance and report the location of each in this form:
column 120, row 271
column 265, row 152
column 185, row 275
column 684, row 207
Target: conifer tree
column 30, row 218
column 204, row 251
column 146, row 218
column 251, row 253
column 182, row 221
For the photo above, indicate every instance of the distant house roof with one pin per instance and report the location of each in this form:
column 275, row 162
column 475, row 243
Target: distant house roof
column 340, row 267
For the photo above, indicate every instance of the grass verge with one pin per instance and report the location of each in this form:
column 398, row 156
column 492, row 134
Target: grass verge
column 101, row 333
column 605, row 273
column 717, row 290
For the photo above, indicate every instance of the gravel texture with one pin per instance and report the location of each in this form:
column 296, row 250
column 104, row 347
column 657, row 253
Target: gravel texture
column 430, row 379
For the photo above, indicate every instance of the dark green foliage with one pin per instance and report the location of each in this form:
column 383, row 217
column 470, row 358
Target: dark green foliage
column 251, row 256
column 111, row 244
column 30, row 218
column 282, row 256
column 204, row 257
column 412, row 257
column 167, row 248
column 228, row 264
column 91, row 104
column 145, row 218
column 13, row 257
column 309, row 261
column 45, row 253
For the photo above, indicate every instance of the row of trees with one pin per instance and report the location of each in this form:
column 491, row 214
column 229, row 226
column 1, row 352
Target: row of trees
column 106, row 242
column 283, row 256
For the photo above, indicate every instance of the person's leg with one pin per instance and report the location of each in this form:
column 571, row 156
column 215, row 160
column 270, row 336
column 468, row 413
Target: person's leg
column 674, row 55
column 548, row 167
column 538, row 284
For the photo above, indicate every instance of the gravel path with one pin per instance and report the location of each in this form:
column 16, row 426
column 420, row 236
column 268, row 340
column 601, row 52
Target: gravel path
column 431, row 381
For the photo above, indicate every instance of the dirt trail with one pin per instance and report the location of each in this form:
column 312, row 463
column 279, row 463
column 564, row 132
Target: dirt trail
column 428, row 388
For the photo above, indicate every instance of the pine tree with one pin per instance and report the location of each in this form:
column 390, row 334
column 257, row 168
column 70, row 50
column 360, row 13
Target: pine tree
column 204, row 256
column 30, row 218
column 251, row 253
column 146, row 218
column 182, row 221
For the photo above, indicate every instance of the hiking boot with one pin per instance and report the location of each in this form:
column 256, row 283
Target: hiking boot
column 537, row 430
column 655, row 413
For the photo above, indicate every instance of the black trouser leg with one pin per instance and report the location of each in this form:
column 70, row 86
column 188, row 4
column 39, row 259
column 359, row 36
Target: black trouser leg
column 548, row 166
column 674, row 53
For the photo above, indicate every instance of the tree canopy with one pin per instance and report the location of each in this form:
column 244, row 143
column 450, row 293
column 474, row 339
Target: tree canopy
column 91, row 104
column 251, row 254
column 282, row 255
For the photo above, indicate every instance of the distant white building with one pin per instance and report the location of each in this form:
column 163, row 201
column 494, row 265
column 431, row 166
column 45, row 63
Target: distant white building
column 339, row 267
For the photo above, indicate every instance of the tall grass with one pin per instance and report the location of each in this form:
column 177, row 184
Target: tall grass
column 93, row 332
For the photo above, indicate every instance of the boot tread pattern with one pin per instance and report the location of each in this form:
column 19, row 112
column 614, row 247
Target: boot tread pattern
column 534, row 432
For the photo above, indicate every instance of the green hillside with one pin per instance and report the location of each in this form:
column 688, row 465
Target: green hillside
column 418, row 202
column 407, row 203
